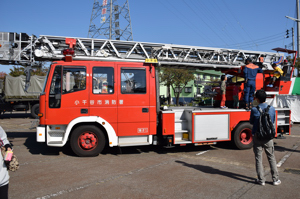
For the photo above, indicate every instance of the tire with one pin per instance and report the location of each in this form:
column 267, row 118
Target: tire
column 242, row 136
column 35, row 109
column 87, row 141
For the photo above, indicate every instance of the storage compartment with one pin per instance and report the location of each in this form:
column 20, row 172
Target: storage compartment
column 211, row 127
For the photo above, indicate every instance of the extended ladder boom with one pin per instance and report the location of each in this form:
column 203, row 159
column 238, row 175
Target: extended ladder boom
column 27, row 50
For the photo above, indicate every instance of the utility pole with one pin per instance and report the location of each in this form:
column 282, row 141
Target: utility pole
column 110, row 20
column 293, row 36
column 298, row 27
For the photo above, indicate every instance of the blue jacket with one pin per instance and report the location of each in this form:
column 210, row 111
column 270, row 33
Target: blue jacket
column 250, row 71
column 254, row 116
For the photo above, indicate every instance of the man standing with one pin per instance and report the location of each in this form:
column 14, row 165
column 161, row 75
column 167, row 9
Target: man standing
column 250, row 72
column 259, row 145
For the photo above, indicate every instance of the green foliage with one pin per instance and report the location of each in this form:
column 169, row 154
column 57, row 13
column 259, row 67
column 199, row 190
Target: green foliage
column 16, row 71
column 176, row 78
column 19, row 70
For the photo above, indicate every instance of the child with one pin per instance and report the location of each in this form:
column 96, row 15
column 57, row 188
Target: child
column 261, row 61
column 276, row 74
column 223, row 91
column 236, row 90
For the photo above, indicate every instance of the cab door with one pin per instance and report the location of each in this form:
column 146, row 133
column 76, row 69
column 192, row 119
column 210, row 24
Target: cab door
column 67, row 96
column 103, row 97
column 133, row 100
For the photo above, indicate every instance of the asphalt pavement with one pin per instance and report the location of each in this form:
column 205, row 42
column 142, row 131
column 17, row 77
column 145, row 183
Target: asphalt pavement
column 218, row 171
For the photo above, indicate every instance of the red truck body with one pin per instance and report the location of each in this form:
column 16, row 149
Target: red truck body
column 94, row 103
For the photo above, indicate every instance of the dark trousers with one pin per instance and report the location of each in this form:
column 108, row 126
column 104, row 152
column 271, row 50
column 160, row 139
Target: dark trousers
column 249, row 90
column 4, row 192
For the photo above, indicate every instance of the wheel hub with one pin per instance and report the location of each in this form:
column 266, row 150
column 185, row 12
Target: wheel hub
column 243, row 136
column 87, row 140
column 246, row 136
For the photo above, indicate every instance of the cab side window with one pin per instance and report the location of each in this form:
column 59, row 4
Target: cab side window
column 74, row 79
column 133, row 81
column 56, row 81
column 103, row 80
column 66, row 79
column 55, row 88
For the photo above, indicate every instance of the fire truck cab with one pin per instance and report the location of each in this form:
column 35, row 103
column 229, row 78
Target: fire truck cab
column 122, row 112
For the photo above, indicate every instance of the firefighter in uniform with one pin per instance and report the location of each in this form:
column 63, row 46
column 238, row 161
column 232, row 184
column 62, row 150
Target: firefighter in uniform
column 250, row 71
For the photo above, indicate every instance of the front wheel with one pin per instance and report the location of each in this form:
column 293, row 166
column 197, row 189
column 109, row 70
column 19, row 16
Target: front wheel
column 87, row 141
column 242, row 136
column 35, row 109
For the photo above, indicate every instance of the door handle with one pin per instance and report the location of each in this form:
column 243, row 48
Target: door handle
column 145, row 110
column 84, row 111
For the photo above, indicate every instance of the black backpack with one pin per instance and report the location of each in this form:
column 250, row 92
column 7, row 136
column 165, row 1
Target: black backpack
column 265, row 129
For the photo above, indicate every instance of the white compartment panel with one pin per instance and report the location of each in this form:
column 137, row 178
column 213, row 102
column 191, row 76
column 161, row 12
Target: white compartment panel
column 211, row 127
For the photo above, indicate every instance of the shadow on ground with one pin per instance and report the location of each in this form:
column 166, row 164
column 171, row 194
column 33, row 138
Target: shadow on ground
column 284, row 149
column 155, row 149
column 211, row 170
column 15, row 115
column 36, row 148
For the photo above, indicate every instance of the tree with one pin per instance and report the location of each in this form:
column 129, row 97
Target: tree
column 20, row 70
column 2, row 75
column 177, row 79
column 16, row 71
column 166, row 78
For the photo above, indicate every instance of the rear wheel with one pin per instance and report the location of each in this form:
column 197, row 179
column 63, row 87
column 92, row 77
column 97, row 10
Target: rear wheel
column 242, row 136
column 87, row 141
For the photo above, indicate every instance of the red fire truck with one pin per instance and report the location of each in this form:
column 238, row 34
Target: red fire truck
column 106, row 93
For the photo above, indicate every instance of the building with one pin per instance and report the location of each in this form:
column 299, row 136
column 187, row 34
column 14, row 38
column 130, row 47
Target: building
column 202, row 82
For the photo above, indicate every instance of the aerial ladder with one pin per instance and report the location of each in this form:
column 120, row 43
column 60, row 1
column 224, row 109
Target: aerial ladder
column 22, row 49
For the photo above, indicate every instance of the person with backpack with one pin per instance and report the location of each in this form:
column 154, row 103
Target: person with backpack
column 262, row 117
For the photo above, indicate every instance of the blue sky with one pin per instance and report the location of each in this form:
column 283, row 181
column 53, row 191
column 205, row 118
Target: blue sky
column 251, row 25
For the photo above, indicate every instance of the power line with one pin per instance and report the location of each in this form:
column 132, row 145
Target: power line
column 180, row 17
column 204, row 22
column 238, row 22
column 260, row 41
column 226, row 18
column 264, row 38
column 263, row 43
column 212, row 18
